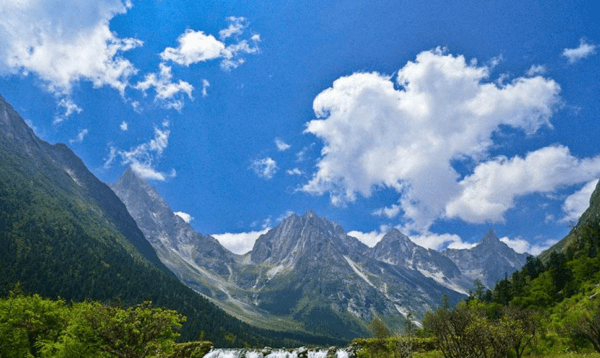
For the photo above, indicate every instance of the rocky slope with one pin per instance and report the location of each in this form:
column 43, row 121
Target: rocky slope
column 306, row 274
column 489, row 261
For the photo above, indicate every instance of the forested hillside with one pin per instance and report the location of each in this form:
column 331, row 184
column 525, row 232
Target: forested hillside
column 551, row 305
column 63, row 235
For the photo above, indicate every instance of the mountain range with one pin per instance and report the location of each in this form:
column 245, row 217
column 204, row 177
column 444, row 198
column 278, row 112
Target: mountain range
column 307, row 274
column 64, row 233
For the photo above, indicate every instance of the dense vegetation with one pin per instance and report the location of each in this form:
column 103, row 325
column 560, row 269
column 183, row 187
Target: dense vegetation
column 549, row 307
column 31, row 326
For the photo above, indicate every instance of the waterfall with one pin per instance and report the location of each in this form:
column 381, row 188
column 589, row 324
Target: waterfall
column 279, row 353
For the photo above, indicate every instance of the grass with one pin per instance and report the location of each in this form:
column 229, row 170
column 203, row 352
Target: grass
column 438, row 354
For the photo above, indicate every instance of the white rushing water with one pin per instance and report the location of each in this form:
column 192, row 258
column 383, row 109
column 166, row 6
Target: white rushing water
column 276, row 353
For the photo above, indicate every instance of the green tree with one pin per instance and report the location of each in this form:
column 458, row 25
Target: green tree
column 588, row 327
column 560, row 273
column 28, row 321
column 378, row 328
column 134, row 332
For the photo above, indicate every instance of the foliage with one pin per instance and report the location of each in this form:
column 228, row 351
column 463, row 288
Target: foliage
column 31, row 326
column 478, row 329
column 378, row 328
column 587, row 326
column 27, row 321
column 191, row 349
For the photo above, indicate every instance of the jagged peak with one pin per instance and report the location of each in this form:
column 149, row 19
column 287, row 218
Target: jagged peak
column 489, row 238
column 309, row 214
column 130, row 177
column 394, row 237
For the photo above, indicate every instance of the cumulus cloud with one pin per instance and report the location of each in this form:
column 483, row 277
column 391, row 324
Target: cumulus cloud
column 584, row 50
column 196, row 46
column 406, row 134
column 80, row 136
column 184, row 216
column 265, row 168
column 144, row 157
column 65, row 41
column 239, row 243
column 169, row 94
column 434, row 241
column 368, row 238
column 521, row 245
column 578, row 202
column 124, row 126
column 281, row 145
column 490, row 191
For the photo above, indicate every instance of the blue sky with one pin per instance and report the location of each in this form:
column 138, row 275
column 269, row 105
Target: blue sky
column 441, row 118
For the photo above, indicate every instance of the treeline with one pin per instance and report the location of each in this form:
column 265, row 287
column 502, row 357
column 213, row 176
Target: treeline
column 31, row 326
column 547, row 307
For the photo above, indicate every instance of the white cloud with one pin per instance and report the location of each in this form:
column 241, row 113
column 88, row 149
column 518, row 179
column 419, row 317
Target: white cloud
column 69, row 108
column 459, row 245
column 438, row 241
column 239, row 243
column 194, row 47
column 233, row 54
column 144, row 157
column 584, row 50
column 65, row 41
column 167, row 91
column 295, row 171
column 80, row 136
column 578, row 202
column 205, row 85
column 404, row 135
column 265, row 168
column 124, row 126
column 521, row 245
column 147, row 172
column 281, row 145
column 184, row 216
column 368, row 238
column 236, row 27
column 389, row 212
column 536, row 70
column 490, row 191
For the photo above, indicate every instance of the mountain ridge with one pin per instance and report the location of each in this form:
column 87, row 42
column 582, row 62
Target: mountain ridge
column 305, row 271
column 489, row 261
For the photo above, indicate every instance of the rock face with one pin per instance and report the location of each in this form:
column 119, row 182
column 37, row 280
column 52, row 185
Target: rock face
column 396, row 248
column 489, row 261
column 193, row 257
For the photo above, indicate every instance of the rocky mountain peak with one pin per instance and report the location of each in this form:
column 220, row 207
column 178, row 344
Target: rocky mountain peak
column 489, row 238
column 488, row 261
